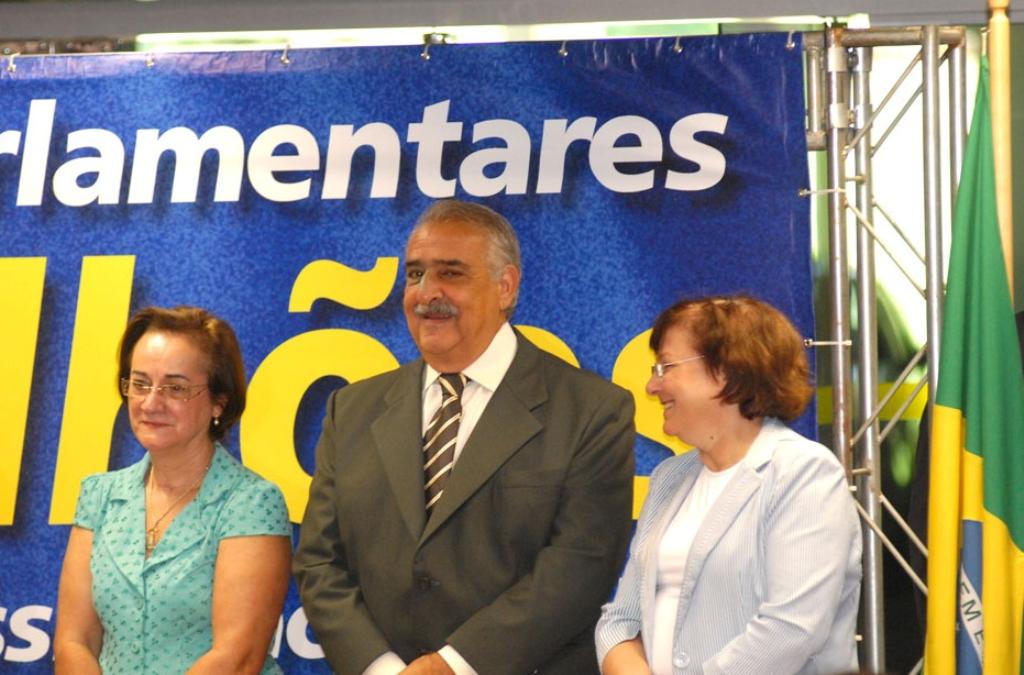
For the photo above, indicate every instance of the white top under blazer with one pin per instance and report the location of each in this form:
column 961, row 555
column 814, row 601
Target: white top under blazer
column 673, row 551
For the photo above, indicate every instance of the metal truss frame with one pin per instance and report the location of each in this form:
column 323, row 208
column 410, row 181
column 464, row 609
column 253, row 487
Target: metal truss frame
column 842, row 121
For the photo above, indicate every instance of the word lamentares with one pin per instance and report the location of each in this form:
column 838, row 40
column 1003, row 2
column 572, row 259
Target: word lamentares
column 94, row 167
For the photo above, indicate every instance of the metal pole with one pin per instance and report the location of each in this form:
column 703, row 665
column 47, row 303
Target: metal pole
column 1002, row 140
column 932, row 204
column 869, row 483
column 957, row 113
column 815, row 89
column 839, row 281
column 894, row 37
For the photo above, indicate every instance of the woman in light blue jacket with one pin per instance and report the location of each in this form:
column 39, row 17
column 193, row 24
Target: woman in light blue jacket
column 746, row 558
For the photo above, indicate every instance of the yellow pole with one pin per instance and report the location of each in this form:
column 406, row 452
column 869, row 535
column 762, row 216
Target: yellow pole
column 999, row 70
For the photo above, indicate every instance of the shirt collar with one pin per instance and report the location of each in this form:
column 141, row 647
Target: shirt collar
column 216, row 481
column 131, row 479
column 490, row 367
column 220, row 476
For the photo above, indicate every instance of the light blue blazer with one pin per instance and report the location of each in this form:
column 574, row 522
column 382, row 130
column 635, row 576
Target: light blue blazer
column 772, row 581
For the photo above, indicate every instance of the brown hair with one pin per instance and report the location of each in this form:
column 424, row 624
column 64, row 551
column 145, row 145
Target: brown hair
column 752, row 345
column 214, row 338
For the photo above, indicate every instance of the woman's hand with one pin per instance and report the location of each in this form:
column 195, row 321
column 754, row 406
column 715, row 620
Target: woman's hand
column 250, row 581
column 76, row 645
column 626, row 658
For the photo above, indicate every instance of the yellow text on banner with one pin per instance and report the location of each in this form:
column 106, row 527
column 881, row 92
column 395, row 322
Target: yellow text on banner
column 91, row 401
column 21, row 301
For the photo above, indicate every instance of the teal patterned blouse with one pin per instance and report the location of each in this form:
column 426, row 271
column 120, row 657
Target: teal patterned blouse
column 156, row 612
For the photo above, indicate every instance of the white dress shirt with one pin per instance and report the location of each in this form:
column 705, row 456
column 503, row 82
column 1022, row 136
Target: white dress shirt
column 484, row 375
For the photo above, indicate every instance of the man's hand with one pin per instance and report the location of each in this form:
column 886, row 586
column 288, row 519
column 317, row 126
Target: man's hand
column 428, row 664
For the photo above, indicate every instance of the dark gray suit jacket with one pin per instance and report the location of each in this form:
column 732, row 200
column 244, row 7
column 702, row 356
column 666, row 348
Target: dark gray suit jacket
column 518, row 555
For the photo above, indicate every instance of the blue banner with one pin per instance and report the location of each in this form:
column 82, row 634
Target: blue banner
column 278, row 190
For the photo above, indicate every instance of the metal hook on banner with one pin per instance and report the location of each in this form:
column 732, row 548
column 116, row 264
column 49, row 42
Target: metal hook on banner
column 790, row 43
column 677, row 47
column 562, row 51
column 284, row 55
column 804, row 192
column 10, row 62
column 150, row 62
column 811, row 342
column 430, row 39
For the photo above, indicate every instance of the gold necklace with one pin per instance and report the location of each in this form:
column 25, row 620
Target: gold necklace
column 151, row 532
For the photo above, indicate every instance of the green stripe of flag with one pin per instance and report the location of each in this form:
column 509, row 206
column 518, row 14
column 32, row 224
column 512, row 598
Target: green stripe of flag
column 980, row 369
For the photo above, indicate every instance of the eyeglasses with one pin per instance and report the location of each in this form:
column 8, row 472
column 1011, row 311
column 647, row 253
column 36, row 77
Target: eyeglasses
column 660, row 369
column 174, row 391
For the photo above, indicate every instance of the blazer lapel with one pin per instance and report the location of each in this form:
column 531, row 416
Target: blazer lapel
column 740, row 490
column 675, row 492
column 506, row 425
column 396, row 432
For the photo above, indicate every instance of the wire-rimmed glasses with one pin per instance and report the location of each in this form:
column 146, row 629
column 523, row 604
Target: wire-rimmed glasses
column 176, row 391
column 659, row 369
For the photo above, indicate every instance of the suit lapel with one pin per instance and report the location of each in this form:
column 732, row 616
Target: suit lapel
column 506, row 425
column 396, row 433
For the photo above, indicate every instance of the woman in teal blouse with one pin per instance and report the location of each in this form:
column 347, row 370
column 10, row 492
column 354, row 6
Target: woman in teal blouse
column 178, row 563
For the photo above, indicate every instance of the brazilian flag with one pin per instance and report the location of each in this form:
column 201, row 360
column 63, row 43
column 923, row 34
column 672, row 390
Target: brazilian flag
column 976, row 503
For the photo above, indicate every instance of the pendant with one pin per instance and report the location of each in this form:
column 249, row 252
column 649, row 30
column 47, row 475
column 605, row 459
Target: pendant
column 150, row 541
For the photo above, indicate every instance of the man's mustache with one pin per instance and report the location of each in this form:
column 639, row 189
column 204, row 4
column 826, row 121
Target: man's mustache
column 437, row 309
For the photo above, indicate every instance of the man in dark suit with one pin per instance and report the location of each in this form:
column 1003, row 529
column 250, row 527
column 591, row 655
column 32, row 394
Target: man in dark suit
column 471, row 510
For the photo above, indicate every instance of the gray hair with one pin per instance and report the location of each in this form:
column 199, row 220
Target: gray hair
column 503, row 248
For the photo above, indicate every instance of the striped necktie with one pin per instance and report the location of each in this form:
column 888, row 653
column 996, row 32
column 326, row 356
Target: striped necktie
column 439, row 440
